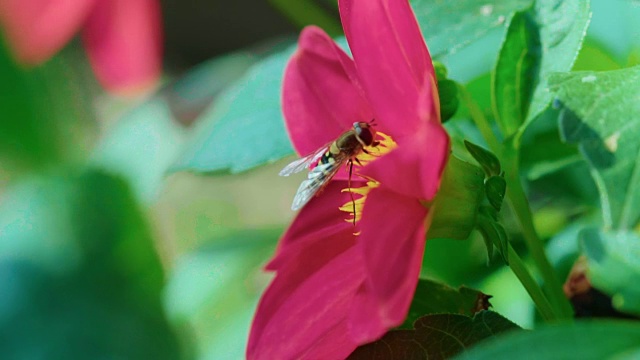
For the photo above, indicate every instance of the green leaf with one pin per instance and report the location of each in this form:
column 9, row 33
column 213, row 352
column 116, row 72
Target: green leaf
column 194, row 297
column 594, row 56
column 432, row 297
column 141, row 146
column 516, row 73
column 441, row 70
column 563, row 24
column 436, row 337
column 487, row 215
column 485, row 158
column 450, row 25
column 495, row 188
column 447, row 92
column 457, row 201
column 470, row 265
column 77, row 256
column 20, row 136
column 244, row 127
column 42, row 114
column 582, row 340
column 449, row 102
column 492, row 231
column 190, row 94
column 601, row 116
column 614, row 266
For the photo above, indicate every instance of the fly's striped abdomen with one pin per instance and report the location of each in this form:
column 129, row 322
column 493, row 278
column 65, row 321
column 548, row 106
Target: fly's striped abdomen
column 327, row 158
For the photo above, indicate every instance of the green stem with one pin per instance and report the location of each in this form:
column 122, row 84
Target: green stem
column 478, row 117
column 520, row 205
column 531, row 285
column 508, row 154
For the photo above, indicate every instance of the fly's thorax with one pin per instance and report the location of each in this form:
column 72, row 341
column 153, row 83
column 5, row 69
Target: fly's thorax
column 334, row 148
column 348, row 144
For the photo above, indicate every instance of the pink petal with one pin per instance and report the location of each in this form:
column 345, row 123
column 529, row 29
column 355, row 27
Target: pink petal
column 429, row 101
column 391, row 58
column 37, row 29
column 392, row 242
column 415, row 167
column 320, row 97
column 318, row 219
column 123, row 41
column 334, row 344
column 308, row 302
column 365, row 323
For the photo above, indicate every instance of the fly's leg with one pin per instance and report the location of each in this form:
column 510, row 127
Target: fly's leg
column 353, row 201
column 374, row 144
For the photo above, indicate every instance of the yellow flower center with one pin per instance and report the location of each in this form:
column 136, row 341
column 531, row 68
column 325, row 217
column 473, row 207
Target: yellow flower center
column 359, row 194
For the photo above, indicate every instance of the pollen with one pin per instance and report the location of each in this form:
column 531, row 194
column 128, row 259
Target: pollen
column 385, row 145
column 358, row 203
column 359, row 194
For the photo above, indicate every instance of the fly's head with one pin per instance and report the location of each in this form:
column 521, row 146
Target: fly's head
column 365, row 133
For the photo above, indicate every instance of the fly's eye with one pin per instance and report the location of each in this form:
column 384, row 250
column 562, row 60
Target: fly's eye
column 366, row 136
column 357, row 128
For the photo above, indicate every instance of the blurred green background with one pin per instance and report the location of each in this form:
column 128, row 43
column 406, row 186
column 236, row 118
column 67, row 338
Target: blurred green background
column 109, row 250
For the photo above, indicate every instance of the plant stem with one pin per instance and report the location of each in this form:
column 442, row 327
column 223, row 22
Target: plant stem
column 508, row 155
column 478, row 117
column 542, row 303
column 520, row 205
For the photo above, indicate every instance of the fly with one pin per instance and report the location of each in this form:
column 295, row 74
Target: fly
column 329, row 159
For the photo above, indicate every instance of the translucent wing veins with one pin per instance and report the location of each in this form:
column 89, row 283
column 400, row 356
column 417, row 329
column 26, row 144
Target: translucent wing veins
column 302, row 163
column 316, row 180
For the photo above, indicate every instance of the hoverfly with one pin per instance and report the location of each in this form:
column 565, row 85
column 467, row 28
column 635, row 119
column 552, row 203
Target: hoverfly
column 329, row 159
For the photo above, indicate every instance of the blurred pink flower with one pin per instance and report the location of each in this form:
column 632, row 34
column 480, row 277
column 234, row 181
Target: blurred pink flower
column 122, row 37
column 338, row 287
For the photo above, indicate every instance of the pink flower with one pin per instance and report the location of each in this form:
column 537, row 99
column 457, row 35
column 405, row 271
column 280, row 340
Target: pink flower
column 338, row 287
column 122, row 37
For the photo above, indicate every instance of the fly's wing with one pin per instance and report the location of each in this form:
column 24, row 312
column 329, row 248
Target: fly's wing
column 303, row 163
column 317, row 179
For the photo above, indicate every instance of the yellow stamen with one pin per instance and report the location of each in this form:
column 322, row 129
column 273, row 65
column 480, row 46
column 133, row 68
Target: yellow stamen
column 358, row 203
column 386, row 144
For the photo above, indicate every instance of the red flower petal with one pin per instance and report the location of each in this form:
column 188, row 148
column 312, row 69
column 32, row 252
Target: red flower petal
column 320, row 97
column 123, row 41
column 429, row 101
column 319, row 218
column 307, row 304
column 37, row 29
column 392, row 241
column 364, row 323
column 334, row 344
column 391, row 58
column 415, row 167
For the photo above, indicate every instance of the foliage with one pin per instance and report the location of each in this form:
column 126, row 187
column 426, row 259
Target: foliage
column 436, row 337
column 77, row 256
column 584, row 340
column 126, row 231
column 599, row 116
